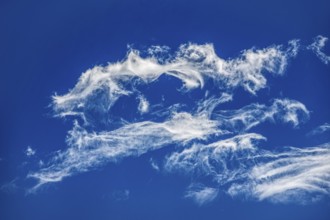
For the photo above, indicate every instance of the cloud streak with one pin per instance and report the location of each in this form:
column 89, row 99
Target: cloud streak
column 294, row 175
column 88, row 150
column 201, row 194
column 285, row 110
column 319, row 130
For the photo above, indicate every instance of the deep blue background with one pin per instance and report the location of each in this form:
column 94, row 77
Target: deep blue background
column 46, row 45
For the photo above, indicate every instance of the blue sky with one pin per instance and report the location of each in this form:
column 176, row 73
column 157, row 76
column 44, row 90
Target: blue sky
column 164, row 110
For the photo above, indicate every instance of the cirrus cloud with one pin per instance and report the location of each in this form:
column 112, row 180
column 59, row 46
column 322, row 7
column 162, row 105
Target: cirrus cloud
column 210, row 141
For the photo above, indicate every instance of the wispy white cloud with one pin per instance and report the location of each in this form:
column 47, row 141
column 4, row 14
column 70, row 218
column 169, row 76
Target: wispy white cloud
column 209, row 141
column 294, row 48
column 294, row 175
column 317, row 47
column 239, row 167
column 161, row 52
column 11, row 186
column 30, row 152
column 154, row 164
column 285, row 110
column 121, row 195
column 319, row 130
column 219, row 160
column 207, row 105
column 88, row 150
column 231, row 159
column 99, row 88
column 201, row 194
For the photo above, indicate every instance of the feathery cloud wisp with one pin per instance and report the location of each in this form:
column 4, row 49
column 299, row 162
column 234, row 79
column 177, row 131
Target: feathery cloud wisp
column 317, row 47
